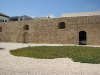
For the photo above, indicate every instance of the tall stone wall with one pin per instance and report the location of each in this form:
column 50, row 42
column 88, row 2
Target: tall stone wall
column 47, row 31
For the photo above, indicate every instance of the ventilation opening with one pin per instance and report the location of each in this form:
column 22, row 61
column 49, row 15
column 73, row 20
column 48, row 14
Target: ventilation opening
column 26, row 27
column 61, row 25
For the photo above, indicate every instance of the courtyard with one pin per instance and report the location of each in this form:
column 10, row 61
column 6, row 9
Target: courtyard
column 13, row 65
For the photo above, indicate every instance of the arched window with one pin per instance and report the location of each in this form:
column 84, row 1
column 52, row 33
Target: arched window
column 26, row 27
column 0, row 29
column 61, row 25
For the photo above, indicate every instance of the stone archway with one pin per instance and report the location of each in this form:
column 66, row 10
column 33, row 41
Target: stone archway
column 26, row 38
column 82, row 38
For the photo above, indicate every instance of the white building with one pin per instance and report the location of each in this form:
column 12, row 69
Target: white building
column 19, row 18
column 81, row 14
column 4, row 18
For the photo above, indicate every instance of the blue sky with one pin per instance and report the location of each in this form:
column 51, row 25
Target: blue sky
column 41, row 8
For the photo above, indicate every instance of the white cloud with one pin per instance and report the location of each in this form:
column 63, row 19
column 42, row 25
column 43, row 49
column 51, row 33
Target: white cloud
column 32, row 16
column 51, row 16
column 91, row 6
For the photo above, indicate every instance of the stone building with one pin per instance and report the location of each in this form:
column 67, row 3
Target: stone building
column 63, row 30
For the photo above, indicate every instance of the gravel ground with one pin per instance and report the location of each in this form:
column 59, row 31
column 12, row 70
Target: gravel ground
column 13, row 65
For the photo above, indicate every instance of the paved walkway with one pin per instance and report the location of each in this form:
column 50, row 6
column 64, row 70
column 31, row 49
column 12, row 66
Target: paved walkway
column 13, row 65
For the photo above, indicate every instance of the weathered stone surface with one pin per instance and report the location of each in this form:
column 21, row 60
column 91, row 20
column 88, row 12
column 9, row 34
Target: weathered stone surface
column 46, row 30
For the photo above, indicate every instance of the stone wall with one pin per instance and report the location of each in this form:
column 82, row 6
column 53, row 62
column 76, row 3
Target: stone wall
column 46, row 30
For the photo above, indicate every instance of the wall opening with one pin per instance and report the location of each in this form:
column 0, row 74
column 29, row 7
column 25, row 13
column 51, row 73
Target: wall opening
column 25, row 38
column 5, row 20
column 61, row 25
column 26, row 27
column 0, row 29
column 82, row 38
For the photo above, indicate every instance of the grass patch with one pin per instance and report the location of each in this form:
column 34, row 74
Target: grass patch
column 77, row 53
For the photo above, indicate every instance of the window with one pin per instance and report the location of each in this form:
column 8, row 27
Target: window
column 20, row 18
column 26, row 27
column 61, row 25
column 0, row 29
column 5, row 20
column 2, row 20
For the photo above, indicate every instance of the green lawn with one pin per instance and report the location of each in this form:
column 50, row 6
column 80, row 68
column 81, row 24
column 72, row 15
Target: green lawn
column 77, row 53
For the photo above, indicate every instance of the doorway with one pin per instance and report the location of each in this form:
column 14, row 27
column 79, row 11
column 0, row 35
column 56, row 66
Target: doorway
column 82, row 38
column 25, row 38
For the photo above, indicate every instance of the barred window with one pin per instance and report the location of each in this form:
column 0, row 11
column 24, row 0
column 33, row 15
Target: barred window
column 61, row 25
column 26, row 27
